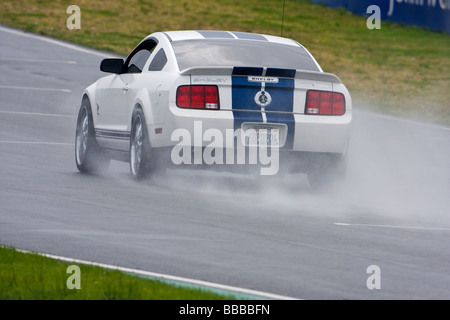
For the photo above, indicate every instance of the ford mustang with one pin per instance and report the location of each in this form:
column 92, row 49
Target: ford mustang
column 210, row 98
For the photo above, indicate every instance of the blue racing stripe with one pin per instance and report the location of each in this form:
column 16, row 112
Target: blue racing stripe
column 247, row 71
column 282, row 107
column 243, row 99
column 280, row 110
column 284, row 73
column 282, row 95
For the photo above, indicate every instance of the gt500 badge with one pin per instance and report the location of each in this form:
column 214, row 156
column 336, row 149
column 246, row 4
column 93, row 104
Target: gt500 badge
column 263, row 99
column 262, row 79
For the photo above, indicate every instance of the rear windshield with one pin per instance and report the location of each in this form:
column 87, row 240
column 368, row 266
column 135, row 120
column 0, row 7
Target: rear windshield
column 241, row 53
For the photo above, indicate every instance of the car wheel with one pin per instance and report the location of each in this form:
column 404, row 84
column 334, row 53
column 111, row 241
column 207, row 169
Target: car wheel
column 140, row 149
column 88, row 155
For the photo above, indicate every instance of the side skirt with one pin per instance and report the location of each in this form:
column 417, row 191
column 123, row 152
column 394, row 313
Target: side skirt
column 113, row 140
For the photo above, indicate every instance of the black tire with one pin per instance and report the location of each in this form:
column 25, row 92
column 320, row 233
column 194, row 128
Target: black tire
column 89, row 156
column 140, row 149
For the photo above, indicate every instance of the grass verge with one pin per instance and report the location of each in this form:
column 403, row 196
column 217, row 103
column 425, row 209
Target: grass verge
column 403, row 71
column 26, row 276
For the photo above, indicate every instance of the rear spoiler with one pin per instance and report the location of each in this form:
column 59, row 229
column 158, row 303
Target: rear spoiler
column 272, row 72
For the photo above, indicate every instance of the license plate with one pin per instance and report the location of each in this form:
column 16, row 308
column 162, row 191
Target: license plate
column 262, row 137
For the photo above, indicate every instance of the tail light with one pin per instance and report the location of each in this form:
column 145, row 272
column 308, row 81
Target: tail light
column 198, row 97
column 325, row 103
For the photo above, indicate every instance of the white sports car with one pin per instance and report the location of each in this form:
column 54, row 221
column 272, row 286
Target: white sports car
column 211, row 98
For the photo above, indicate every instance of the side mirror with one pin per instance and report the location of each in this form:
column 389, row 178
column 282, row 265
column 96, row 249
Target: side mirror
column 112, row 65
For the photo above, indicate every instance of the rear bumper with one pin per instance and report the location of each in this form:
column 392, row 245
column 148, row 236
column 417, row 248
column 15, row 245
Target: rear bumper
column 307, row 133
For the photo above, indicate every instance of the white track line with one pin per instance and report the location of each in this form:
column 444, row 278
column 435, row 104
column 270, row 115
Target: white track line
column 39, row 114
column 164, row 277
column 389, row 226
column 39, row 60
column 35, row 88
column 38, row 142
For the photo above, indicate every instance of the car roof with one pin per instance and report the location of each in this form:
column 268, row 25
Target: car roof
column 230, row 35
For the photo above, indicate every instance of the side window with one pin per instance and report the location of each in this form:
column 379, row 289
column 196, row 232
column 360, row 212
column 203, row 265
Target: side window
column 136, row 61
column 159, row 61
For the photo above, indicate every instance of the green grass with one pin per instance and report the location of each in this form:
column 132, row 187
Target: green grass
column 26, row 276
column 398, row 70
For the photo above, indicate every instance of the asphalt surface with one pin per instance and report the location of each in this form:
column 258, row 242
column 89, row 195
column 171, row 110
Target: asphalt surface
column 271, row 235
